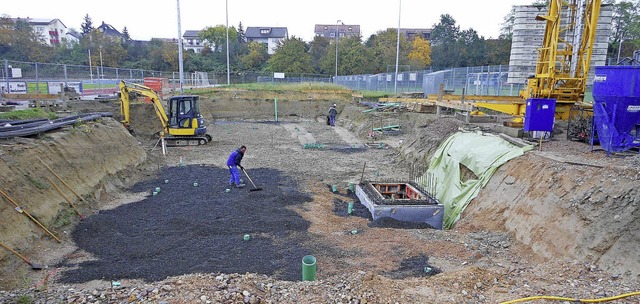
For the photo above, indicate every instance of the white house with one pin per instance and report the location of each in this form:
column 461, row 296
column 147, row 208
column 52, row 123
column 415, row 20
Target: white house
column 270, row 36
column 51, row 31
column 191, row 41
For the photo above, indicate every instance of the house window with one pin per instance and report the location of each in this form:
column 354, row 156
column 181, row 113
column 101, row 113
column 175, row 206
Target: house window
column 264, row 31
column 332, row 35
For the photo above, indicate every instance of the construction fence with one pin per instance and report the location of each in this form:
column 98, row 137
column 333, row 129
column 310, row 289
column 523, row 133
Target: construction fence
column 50, row 78
column 481, row 80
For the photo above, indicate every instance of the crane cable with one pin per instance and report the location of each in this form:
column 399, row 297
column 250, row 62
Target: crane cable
column 631, row 294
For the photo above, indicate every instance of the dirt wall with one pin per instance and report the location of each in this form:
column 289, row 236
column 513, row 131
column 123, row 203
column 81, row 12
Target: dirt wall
column 88, row 157
column 564, row 210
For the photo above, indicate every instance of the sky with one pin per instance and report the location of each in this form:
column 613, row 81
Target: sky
column 146, row 19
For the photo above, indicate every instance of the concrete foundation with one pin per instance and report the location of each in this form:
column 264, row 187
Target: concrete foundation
column 400, row 201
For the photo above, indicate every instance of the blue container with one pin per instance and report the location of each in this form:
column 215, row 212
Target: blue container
column 616, row 94
column 539, row 114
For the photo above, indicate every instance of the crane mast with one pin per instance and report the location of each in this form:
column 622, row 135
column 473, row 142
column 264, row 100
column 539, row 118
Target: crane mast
column 563, row 60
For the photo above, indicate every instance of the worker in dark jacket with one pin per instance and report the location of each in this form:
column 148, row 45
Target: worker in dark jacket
column 332, row 115
column 233, row 163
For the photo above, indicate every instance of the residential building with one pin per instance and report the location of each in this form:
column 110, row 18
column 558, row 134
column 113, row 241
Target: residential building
column 51, row 31
column 270, row 36
column 191, row 41
column 411, row 33
column 72, row 36
column 342, row 30
column 108, row 30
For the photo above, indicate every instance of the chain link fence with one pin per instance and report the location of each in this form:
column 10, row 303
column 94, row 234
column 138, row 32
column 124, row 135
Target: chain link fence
column 48, row 78
column 480, row 80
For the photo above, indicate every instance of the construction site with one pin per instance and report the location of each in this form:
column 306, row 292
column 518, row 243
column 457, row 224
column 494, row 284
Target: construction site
column 433, row 197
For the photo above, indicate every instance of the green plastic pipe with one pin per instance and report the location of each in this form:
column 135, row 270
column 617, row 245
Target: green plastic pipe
column 334, row 189
column 350, row 208
column 309, row 268
column 275, row 104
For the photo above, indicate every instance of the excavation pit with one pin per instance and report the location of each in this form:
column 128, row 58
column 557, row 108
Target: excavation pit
column 402, row 201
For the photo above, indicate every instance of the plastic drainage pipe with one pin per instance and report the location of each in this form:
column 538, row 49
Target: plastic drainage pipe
column 334, row 188
column 309, row 268
column 350, row 208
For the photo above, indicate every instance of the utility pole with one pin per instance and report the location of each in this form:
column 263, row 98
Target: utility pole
column 227, row 17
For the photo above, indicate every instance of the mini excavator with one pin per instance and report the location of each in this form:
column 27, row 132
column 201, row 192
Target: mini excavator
column 184, row 126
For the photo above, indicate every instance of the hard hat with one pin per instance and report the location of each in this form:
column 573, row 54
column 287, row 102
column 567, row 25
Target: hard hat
column 334, row 104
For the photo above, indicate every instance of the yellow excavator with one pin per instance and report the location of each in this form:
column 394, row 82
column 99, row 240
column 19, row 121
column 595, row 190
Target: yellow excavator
column 184, row 126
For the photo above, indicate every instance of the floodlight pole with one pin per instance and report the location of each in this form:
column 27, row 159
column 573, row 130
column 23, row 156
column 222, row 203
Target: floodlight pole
column 180, row 58
column 227, row 17
column 337, row 39
column 395, row 77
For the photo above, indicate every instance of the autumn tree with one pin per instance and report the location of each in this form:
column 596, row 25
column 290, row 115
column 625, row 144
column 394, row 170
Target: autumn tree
column 420, row 55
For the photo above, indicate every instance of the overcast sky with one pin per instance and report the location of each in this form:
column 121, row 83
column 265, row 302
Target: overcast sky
column 146, row 19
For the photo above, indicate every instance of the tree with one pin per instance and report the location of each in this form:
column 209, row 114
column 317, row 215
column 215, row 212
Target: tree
column 445, row 32
column 420, row 54
column 445, row 51
column 125, row 34
column 382, row 47
column 242, row 38
column 18, row 41
column 353, row 57
column 472, row 49
column 290, row 57
column 506, row 30
column 111, row 49
column 319, row 50
column 257, row 57
column 217, row 36
column 626, row 26
column 87, row 25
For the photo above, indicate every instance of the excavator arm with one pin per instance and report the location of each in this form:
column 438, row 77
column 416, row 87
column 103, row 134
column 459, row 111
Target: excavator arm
column 184, row 126
column 128, row 87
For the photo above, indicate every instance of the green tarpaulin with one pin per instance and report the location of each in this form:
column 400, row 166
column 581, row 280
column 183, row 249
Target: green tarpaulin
column 480, row 153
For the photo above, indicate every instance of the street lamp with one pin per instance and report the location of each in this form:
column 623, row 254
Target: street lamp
column 337, row 35
column 395, row 77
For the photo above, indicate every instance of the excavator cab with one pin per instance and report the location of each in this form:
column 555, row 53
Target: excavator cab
column 184, row 116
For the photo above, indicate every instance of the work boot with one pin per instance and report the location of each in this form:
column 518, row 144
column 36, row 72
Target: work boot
column 240, row 185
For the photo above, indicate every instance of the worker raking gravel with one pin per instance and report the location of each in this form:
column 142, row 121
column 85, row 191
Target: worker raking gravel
column 233, row 163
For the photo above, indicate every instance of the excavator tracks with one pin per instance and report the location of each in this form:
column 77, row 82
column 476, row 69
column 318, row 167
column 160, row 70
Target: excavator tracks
column 179, row 141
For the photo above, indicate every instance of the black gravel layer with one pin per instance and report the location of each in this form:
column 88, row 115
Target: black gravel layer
column 414, row 267
column 188, row 229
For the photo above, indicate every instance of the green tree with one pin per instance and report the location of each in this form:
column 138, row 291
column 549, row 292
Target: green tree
column 445, row 51
column 498, row 51
column 626, row 26
column 420, row 55
column 242, row 38
column 472, row 49
column 319, row 50
column 382, row 47
column 113, row 54
column 18, row 41
column 217, row 36
column 257, row 57
column 125, row 34
column 353, row 57
column 290, row 57
column 87, row 25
